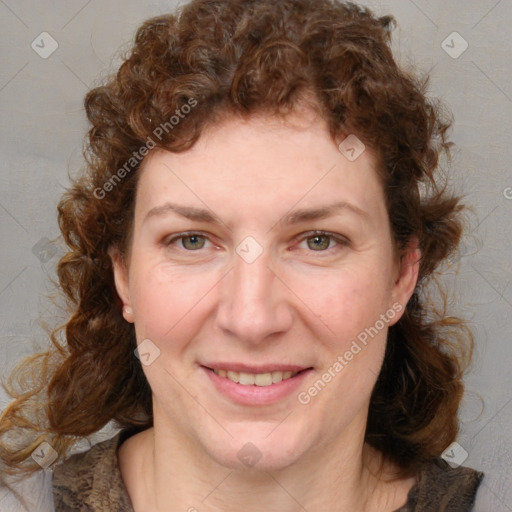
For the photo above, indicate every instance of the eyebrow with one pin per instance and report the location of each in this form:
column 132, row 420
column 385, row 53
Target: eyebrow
column 291, row 218
column 322, row 212
column 188, row 212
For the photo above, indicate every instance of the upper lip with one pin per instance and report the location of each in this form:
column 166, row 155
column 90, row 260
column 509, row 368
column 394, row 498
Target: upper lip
column 247, row 368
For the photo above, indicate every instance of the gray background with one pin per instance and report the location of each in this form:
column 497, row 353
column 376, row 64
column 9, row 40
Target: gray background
column 43, row 124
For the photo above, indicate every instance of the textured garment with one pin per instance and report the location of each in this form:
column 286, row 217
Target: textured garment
column 91, row 482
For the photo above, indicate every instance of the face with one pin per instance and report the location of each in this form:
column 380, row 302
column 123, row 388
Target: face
column 263, row 252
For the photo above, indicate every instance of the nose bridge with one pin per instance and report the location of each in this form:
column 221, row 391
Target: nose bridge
column 252, row 306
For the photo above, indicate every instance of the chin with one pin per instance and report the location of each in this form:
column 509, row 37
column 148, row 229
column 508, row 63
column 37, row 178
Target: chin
column 259, row 452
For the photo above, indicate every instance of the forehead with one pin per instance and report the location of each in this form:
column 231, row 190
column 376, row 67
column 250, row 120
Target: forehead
column 260, row 164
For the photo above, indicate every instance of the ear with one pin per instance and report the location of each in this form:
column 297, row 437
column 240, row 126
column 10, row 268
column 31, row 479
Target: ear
column 406, row 277
column 121, row 281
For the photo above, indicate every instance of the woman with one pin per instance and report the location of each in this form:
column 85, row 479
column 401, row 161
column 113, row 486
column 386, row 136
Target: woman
column 250, row 246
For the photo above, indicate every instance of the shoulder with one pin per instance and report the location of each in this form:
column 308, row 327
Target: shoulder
column 442, row 488
column 31, row 493
column 91, row 481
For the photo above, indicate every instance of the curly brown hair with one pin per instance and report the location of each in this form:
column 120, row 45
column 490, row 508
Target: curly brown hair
column 247, row 57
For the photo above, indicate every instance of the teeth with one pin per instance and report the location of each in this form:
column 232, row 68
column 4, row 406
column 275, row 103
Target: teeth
column 247, row 379
column 277, row 377
column 263, row 379
column 234, row 376
column 259, row 379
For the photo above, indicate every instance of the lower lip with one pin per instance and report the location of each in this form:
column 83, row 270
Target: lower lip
column 256, row 395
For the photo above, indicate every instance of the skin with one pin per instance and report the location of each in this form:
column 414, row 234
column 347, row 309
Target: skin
column 295, row 304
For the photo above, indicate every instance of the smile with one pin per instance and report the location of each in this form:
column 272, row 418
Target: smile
column 255, row 379
column 256, row 385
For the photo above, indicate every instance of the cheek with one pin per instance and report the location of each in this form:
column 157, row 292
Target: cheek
column 167, row 302
column 354, row 307
column 345, row 301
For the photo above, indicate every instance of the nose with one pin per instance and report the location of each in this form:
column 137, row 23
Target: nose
column 253, row 305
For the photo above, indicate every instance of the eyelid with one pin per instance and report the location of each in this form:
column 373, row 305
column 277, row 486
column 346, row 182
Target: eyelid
column 340, row 240
column 168, row 240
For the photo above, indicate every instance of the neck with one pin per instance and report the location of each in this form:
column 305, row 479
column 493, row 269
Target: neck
column 338, row 476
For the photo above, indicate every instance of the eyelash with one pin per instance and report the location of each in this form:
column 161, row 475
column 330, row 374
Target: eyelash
column 341, row 241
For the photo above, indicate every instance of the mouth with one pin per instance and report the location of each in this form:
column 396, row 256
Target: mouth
column 250, row 385
column 261, row 379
